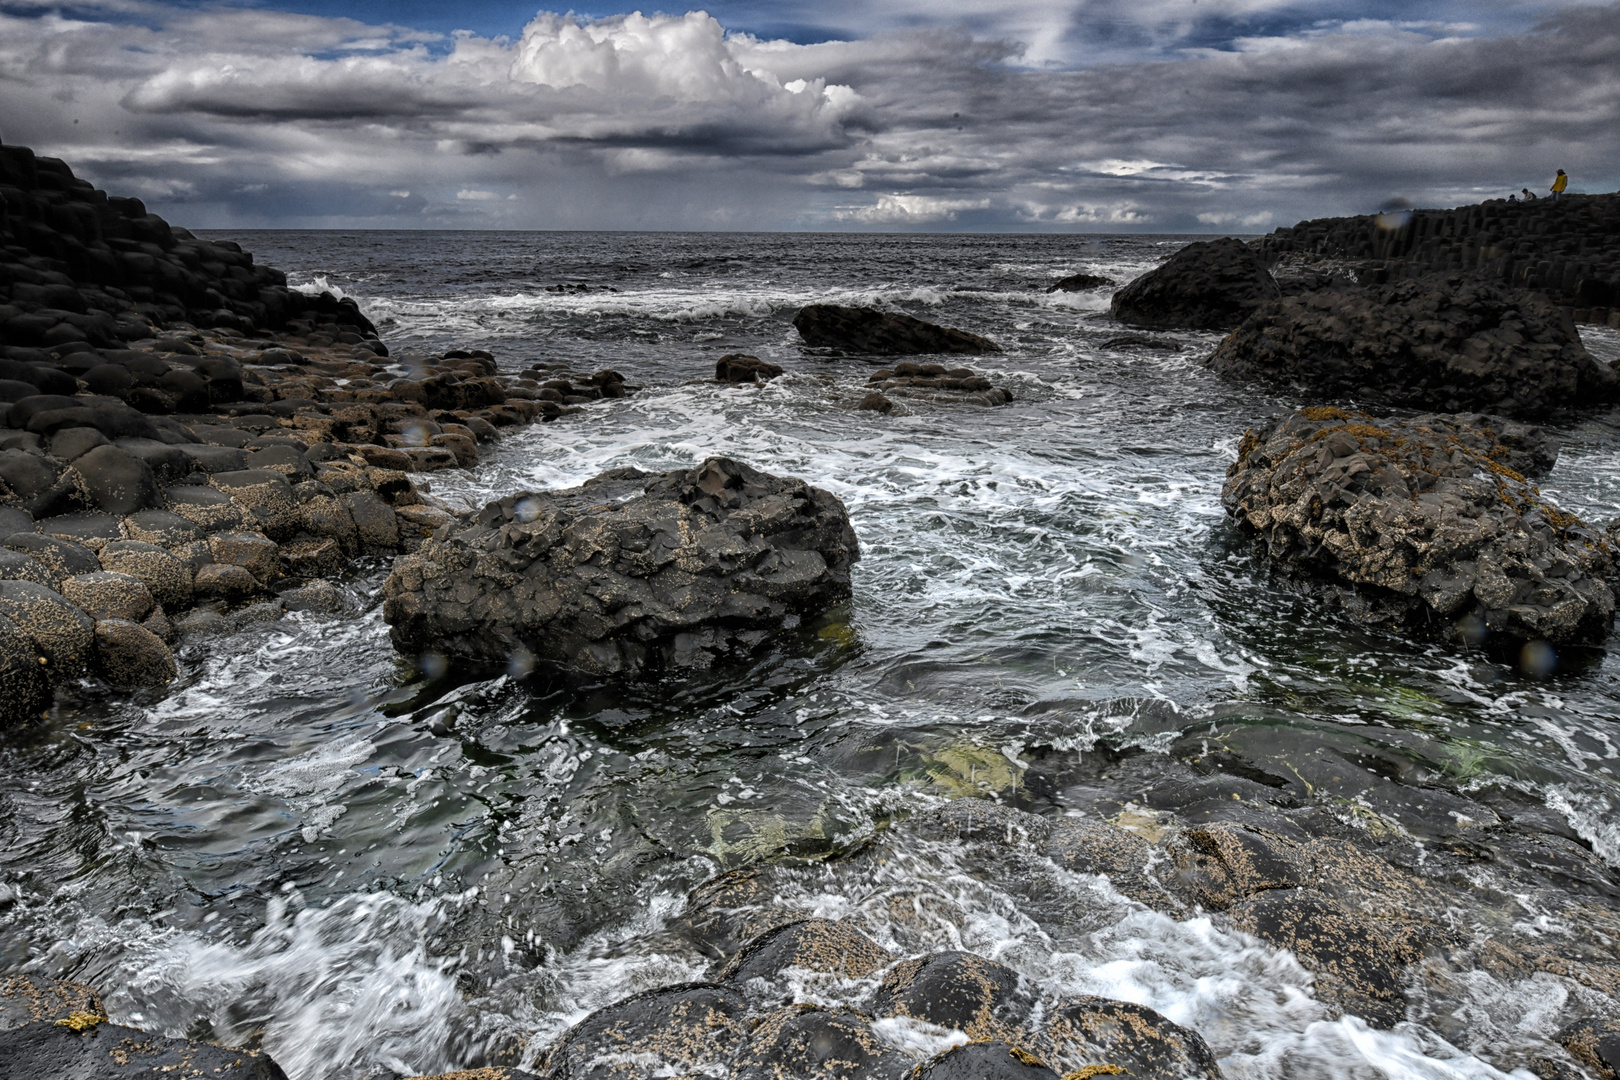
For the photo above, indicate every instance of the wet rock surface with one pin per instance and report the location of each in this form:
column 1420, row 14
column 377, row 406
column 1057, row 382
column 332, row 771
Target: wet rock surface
column 1094, row 1031
column 1429, row 522
column 107, row 1051
column 1207, row 285
column 631, row 572
column 680, row 1027
column 1449, row 344
column 738, row 368
column 1080, row 283
column 26, row 999
column 879, row 333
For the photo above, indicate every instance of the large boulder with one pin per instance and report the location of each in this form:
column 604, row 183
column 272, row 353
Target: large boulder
column 1447, row 344
column 632, row 572
column 1428, row 522
column 1208, row 285
column 883, row 333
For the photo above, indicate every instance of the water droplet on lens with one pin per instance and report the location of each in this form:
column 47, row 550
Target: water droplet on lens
column 433, row 665
column 520, row 664
column 527, row 508
column 1537, row 659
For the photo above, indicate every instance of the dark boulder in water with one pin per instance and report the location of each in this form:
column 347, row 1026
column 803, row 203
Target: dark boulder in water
column 672, row 1031
column 985, row 1061
column 25, row 999
column 738, row 368
column 1147, row 1046
column 882, row 333
column 1427, row 522
column 91, row 1049
column 804, row 1041
column 819, row 945
column 1448, row 344
column 632, row 572
column 1208, row 285
column 1080, row 283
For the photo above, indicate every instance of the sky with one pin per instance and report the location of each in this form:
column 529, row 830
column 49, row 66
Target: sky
column 879, row 115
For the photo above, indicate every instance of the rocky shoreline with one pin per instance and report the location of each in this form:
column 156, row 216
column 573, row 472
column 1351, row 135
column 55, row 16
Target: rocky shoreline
column 188, row 444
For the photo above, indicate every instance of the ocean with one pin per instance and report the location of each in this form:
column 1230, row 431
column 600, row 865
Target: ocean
column 305, row 845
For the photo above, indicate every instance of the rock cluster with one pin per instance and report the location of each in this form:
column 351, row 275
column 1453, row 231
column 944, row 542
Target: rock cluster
column 55, row 1028
column 1427, row 522
column 631, row 572
column 738, row 1022
column 1446, row 344
column 931, row 382
column 1568, row 250
column 881, row 333
column 1207, row 285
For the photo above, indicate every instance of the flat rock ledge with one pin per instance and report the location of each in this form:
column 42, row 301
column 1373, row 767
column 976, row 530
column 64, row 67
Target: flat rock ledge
column 1207, row 285
column 883, row 333
column 1428, row 523
column 632, row 572
column 1448, row 344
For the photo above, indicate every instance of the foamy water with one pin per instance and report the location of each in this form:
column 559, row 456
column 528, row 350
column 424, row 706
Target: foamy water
column 280, row 849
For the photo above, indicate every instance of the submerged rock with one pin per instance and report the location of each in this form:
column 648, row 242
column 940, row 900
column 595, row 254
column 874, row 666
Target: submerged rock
column 935, row 382
column 863, row 330
column 631, row 572
column 1434, row 343
column 1427, row 522
column 1208, row 285
column 1080, row 283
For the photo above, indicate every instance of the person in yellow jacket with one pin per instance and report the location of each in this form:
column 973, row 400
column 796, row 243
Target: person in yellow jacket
column 1560, row 182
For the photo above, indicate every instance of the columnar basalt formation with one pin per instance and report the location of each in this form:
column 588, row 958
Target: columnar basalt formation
column 1428, row 522
column 631, row 572
column 181, row 433
column 1568, row 250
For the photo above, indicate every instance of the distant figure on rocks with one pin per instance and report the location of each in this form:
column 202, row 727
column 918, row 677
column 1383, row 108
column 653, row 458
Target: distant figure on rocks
column 1560, row 182
column 1513, row 198
column 1529, row 196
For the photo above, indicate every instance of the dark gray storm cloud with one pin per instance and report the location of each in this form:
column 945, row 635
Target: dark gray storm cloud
column 1028, row 115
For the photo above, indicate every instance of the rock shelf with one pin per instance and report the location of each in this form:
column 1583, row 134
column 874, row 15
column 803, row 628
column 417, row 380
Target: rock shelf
column 1569, row 250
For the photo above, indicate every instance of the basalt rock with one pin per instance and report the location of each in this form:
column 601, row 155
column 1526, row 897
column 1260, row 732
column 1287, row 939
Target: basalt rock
column 1448, row 344
column 1595, row 1043
column 988, row 1060
column 129, row 654
column 956, row 990
column 91, row 1049
column 1207, row 285
column 738, row 368
column 880, row 333
column 1091, row 1031
column 677, row 1028
column 812, row 945
column 632, row 572
column 26, row 999
column 1428, row 522
column 804, row 1041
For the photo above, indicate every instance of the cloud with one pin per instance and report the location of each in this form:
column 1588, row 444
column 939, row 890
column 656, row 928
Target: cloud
column 909, row 210
column 951, row 114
